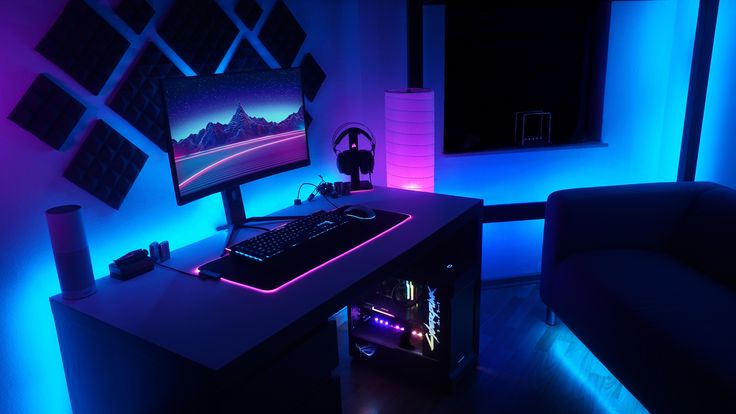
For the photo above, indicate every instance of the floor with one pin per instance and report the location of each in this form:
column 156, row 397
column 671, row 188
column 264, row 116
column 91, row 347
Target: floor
column 525, row 366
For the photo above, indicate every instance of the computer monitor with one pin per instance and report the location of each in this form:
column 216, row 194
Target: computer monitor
column 229, row 129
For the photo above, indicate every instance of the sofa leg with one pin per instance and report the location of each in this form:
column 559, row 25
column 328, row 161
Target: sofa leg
column 551, row 319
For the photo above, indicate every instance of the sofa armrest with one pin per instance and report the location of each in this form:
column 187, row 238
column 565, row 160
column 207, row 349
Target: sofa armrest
column 641, row 216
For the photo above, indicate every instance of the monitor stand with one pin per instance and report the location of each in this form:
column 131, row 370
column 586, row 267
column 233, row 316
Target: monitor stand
column 232, row 199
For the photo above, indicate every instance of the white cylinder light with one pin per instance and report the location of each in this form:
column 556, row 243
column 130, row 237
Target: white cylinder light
column 410, row 139
column 69, row 244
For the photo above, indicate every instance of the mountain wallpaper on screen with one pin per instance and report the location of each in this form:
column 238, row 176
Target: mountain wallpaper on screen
column 240, row 128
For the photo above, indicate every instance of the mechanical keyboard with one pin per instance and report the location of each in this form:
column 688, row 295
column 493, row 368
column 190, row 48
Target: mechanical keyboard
column 269, row 275
column 273, row 242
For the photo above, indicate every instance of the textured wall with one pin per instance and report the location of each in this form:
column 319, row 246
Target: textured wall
column 343, row 37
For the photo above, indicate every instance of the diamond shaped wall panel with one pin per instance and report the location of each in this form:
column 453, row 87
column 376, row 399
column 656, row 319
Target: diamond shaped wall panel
column 282, row 35
column 249, row 12
column 312, row 76
column 136, row 13
column 47, row 112
column 199, row 32
column 106, row 165
column 245, row 58
column 138, row 98
column 84, row 45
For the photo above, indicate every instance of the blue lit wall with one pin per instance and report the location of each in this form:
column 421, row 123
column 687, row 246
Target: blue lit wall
column 717, row 142
column 342, row 37
column 650, row 49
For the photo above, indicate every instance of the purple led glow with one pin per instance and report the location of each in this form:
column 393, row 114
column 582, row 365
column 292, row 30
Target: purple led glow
column 410, row 139
column 388, row 324
column 292, row 281
column 280, row 149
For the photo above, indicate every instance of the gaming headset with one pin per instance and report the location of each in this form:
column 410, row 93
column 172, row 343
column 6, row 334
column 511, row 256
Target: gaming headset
column 350, row 161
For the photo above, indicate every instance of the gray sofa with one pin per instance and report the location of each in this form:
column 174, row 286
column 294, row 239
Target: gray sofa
column 645, row 276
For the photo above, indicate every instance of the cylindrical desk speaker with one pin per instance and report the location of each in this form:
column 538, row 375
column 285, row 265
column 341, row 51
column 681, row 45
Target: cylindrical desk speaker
column 410, row 139
column 70, row 251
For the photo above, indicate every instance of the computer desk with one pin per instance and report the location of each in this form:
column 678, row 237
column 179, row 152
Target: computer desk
column 166, row 341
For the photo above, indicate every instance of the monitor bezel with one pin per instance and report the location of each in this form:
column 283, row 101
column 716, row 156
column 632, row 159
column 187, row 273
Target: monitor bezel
column 188, row 198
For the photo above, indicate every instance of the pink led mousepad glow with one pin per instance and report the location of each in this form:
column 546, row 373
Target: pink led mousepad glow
column 294, row 264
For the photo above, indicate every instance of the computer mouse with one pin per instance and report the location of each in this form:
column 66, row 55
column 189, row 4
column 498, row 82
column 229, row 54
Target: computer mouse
column 360, row 212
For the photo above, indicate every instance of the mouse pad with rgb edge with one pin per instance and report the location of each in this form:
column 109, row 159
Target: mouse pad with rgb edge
column 299, row 261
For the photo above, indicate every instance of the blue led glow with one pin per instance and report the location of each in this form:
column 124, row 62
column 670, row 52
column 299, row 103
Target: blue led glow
column 247, row 35
column 34, row 359
column 512, row 248
column 717, row 146
column 650, row 43
column 584, row 368
column 650, row 48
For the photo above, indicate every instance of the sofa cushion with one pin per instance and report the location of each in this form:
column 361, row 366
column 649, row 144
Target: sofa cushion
column 707, row 238
column 651, row 317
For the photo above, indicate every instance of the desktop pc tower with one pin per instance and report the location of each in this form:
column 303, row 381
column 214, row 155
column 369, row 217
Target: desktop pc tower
column 420, row 321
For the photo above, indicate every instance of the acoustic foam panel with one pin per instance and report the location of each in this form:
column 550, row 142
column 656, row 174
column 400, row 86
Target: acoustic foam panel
column 249, row 12
column 200, row 32
column 245, row 58
column 312, row 76
column 47, row 112
column 136, row 13
column 84, row 45
column 282, row 35
column 138, row 98
column 106, row 165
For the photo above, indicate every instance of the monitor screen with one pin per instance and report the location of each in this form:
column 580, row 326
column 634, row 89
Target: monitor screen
column 233, row 128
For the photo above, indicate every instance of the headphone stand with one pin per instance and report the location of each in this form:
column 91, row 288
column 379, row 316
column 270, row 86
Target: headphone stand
column 356, row 184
